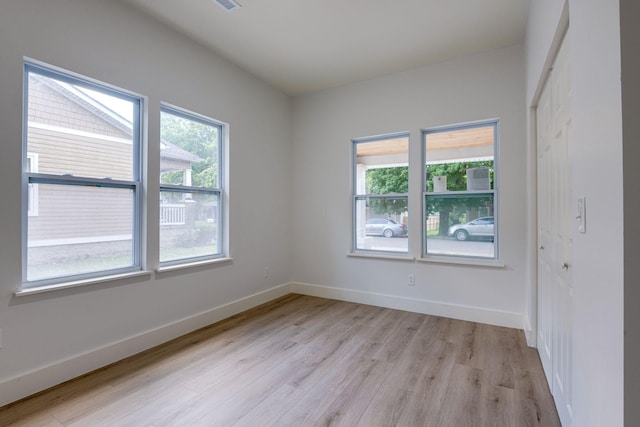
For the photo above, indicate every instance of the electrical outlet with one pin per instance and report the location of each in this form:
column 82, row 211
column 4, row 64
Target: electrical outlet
column 266, row 272
column 412, row 280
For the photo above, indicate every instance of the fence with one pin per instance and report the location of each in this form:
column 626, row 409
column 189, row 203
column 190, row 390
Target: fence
column 433, row 222
column 172, row 214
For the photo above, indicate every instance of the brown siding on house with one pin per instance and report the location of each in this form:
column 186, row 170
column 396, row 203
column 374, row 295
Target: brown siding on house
column 50, row 107
column 62, row 153
column 80, row 140
column 72, row 212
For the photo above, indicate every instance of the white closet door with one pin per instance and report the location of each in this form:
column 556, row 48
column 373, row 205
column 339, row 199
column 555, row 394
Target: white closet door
column 555, row 225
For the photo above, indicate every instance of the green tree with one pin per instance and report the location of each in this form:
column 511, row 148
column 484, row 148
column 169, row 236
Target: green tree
column 452, row 209
column 197, row 138
column 385, row 181
column 456, row 173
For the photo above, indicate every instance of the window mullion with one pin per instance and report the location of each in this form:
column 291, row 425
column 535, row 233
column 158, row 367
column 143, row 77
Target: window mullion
column 189, row 189
column 80, row 181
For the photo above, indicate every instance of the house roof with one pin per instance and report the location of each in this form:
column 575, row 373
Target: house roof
column 99, row 109
column 172, row 151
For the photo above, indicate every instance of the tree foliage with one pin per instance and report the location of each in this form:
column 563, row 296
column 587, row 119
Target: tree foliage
column 197, row 138
column 452, row 209
column 388, row 180
column 458, row 208
column 385, row 181
column 456, row 173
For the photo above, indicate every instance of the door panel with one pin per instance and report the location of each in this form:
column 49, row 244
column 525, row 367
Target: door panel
column 555, row 225
column 545, row 249
column 561, row 101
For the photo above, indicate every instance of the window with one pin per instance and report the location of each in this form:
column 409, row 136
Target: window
column 459, row 190
column 190, row 187
column 81, row 178
column 380, row 193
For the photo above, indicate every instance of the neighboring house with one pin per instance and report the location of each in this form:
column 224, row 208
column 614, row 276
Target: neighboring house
column 96, row 142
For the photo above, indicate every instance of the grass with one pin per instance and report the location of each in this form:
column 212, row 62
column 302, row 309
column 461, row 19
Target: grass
column 91, row 264
column 179, row 253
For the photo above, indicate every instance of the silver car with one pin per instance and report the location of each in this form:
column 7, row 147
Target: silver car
column 478, row 228
column 385, row 227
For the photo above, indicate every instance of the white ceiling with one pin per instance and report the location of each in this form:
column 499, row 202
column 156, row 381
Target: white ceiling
column 304, row 45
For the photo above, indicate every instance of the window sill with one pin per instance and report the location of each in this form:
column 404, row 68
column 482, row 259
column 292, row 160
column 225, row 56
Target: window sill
column 463, row 261
column 381, row 256
column 79, row 283
column 209, row 262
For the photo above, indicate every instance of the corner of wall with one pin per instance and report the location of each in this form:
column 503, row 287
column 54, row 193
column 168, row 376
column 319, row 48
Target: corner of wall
column 26, row 384
column 434, row 308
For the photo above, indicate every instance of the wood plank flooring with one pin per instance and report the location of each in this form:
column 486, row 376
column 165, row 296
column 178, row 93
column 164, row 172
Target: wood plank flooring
column 306, row 361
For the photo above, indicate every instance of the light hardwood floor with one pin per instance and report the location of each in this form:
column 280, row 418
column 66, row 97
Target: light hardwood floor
column 305, row 361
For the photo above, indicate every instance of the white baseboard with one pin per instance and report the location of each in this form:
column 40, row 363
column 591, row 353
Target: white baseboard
column 530, row 332
column 472, row 314
column 40, row 379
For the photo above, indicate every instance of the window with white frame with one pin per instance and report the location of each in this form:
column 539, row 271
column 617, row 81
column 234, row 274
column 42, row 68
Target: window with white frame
column 81, row 178
column 380, row 194
column 190, row 187
column 460, row 195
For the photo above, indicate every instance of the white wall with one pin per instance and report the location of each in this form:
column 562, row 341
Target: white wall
column 597, row 265
column 50, row 337
column 630, row 34
column 482, row 86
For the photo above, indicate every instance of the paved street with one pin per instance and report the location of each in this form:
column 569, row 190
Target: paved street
column 474, row 248
column 436, row 246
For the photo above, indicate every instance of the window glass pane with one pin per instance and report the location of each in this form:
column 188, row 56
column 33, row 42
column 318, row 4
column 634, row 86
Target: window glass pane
column 78, row 230
column 381, row 224
column 188, row 151
column 460, row 159
column 460, row 224
column 189, row 225
column 81, row 222
column 459, row 191
column 79, row 131
column 382, row 166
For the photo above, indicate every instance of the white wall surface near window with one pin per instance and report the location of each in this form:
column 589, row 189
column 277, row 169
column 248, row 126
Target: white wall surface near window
column 82, row 196
column 190, row 187
column 475, row 87
column 380, row 194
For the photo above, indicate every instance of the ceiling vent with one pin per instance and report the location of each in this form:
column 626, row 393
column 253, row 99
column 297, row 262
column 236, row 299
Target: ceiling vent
column 228, row 5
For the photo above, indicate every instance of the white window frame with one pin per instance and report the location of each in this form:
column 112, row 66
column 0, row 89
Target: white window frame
column 33, row 178
column 32, row 197
column 189, row 189
column 494, row 191
column 358, row 196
